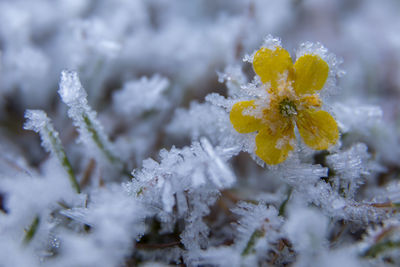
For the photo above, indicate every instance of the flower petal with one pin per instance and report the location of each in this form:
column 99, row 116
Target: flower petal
column 309, row 101
column 244, row 123
column 318, row 128
column 274, row 148
column 268, row 64
column 311, row 72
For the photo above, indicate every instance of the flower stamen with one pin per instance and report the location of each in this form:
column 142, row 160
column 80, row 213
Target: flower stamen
column 287, row 108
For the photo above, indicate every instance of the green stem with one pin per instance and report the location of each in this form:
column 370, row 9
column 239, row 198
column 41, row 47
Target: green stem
column 62, row 157
column 30, row 233
column 256, row 235
column 99, row 143
column 378, row 248
column 283, row 205
column 97, row 140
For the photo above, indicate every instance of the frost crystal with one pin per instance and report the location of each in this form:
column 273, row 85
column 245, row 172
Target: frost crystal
column 38, row 121
column 258, row 228
column 113, row 215
column 142, row 95
column 182, row 186
column 351, row 167
column 84, row 118
column 71, row 90
column 181, row 171
column 350, row 116
column 159, row 175
column 211, row 121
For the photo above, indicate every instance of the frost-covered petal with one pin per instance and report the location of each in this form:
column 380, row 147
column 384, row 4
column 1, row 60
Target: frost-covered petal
column 318, row 128
column 244, row 123
column 310, row 101
column 273, row 148
column 311, row 72
column 269, row 64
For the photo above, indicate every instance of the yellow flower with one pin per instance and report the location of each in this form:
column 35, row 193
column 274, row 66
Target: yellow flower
column 293, row 100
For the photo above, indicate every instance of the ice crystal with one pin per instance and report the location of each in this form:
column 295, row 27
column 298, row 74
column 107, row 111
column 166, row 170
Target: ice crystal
column 84, row 118
column 164, row 177
column 351, row 167
column 112, row 215
column 39, row 122
column 180, row 172
column 142, row 95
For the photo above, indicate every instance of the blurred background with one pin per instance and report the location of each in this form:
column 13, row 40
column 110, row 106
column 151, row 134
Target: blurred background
column 114, row 44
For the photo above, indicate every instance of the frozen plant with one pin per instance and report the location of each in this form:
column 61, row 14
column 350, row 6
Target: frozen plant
column 176, row 139
column 91, row 132
column 39, row 122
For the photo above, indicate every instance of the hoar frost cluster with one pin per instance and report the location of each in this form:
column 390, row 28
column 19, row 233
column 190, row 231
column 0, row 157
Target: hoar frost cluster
column 158, row 133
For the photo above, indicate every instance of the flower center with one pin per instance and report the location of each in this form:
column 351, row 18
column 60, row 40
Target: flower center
column 287, row 108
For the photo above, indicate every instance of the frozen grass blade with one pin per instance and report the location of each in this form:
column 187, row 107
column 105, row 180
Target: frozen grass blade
column 38, row 121
column 97, row 140
column 250, row 245
column 381, row 247
column 84, row 118
column 284, row 203
column 30, row 233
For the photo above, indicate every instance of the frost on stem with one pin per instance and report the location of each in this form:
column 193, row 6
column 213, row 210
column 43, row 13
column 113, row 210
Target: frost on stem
column 256, row 235
column 210, row 119
column 181, row 170
column 116, row 221
column 38, row 121
column 382, row 242
column 84, row 118
column 257, row 229
column 183, row 186
column 351, row 168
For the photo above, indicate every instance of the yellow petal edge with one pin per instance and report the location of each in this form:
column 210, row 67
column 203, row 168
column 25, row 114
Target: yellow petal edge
column 274, row 149
column 318, row 128
column 244, row 123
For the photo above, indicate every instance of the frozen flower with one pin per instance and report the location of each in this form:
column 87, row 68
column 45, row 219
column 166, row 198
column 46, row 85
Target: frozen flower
column 293, row 99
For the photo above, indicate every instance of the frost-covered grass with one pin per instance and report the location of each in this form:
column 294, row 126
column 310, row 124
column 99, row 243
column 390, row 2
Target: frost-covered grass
column 118, row 147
